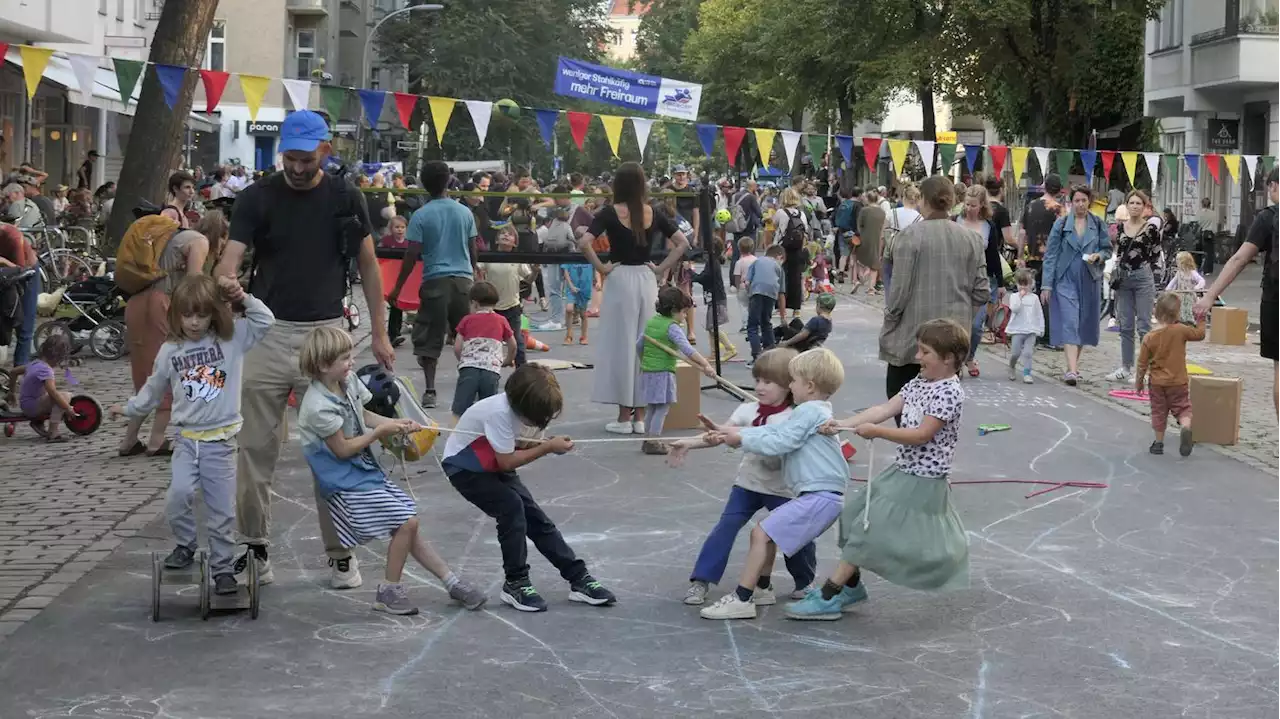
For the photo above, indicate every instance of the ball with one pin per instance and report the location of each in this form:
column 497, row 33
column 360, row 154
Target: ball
column 723, row 215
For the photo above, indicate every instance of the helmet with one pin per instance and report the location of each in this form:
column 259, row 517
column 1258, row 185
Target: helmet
column 382, row 384
column 723, row 215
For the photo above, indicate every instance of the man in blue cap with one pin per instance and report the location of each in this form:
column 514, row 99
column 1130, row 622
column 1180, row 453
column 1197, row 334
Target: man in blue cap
column 304, row 227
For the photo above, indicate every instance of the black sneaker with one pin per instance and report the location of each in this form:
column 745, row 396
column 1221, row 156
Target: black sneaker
column 180, row 558
column 523, row 597
column 428, row 399
column 1184, row 442
column 1157, row 448
column 224, row 584
column 397, row 341
column 589, row 591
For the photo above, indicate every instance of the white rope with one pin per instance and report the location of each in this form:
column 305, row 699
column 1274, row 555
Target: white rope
column 603, row 440
column 871, row 473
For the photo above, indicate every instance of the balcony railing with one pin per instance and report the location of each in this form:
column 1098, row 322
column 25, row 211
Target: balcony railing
column 1252, row 17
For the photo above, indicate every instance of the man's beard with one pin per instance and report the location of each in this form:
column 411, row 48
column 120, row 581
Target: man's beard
column 299, row 180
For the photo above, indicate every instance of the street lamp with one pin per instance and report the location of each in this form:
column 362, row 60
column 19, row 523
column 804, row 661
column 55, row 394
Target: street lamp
column 364, row 57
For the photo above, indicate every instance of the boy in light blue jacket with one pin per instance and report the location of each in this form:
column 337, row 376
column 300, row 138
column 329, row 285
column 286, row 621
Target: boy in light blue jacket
column 813, row 467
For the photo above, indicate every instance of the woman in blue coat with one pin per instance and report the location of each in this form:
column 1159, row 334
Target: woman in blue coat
column 1073, row 259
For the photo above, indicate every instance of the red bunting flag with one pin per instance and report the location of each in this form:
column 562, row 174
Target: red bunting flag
column 404, row 107
column 578, row 122
column 1108, row 159
column 733, row 141
column 1211, row 161
column 998, row 155
column 871, row 148
column 4, row 50
column 215, row 81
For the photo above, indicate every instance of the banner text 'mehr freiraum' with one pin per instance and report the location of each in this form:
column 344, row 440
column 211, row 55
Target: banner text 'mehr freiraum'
column 644, row 93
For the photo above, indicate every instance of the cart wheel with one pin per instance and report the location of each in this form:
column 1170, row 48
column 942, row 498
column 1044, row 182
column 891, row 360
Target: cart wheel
column 106, row 341
column 206, row 587
column 255, row 587
column 89, row 415
column 157, row 568
column 9, row 429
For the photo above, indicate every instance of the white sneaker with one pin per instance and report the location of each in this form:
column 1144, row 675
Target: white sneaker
column 1122, row 374
column 1026, row 379
column 1013, row 373
column 619, row 428
column 345, row 573
column 550, row 326
column 637, row 427
column 729, row 607
column 764, row 597
column 697, row 594
column 240, row 569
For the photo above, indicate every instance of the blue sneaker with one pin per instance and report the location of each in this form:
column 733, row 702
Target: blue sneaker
column 814, row 608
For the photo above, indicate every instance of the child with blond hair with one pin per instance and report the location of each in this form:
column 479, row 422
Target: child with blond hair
column 1162, row 363
column 1188, row 283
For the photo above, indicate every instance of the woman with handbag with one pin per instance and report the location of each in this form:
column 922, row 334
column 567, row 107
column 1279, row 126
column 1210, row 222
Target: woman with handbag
column 1078, row 247
column 1137, row 252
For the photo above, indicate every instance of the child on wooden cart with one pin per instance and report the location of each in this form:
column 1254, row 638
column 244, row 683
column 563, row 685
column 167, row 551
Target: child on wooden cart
column 201, row 364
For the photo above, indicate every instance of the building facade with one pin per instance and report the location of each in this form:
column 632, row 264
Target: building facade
column 624, row 22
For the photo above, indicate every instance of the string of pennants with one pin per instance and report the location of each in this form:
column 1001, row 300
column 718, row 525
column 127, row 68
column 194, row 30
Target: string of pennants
column 333, row 97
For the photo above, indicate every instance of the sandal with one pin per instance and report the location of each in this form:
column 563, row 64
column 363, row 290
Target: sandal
column 164, row 450
column 56, row 438
column 974, row 371
column 38, row 426
column 582, row 340
column 136, row 449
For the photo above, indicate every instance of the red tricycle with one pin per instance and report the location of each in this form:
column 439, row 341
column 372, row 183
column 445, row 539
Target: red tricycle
column 86, row 421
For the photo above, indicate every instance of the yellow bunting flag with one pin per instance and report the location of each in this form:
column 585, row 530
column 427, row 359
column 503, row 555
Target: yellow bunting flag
column 441, row 110
column 34, row 60
column 898, row 151
column 764, row 142
column 612, row 130
column 1233, row 166
column 1019, row 162
column 1130, row 160
column 254, row 88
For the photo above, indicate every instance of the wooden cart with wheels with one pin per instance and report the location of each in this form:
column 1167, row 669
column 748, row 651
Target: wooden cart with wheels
column 246, row 597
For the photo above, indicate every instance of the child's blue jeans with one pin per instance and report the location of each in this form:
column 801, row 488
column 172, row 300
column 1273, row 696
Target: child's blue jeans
column 759, row 323
column 738, row 510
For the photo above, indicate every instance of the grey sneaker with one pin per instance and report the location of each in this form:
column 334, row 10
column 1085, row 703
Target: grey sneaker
column 429, row 399
column 697, row 593
column 180, row 558
column 225, row 584
column 393, row 599
column 468, row 596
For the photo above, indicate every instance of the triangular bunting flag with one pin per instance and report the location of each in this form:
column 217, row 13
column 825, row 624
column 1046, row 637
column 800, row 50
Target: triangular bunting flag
column 404, row 107
column 871, row 151
column 1019, row 155
column 85, row 68
column 1211, row 162
column 578, row 123
column 817, row 146
column 255, row 88
column 898, row 154
column 441, row 111
column 926, row 149
column 215, row 81
column 1193, row 165
column 845, row 143
column 1042, row 159
column 4, row 50
column 1233, row 166
column 170, row 77
column 1152, row 159
column 372, row 102
column 299, row 92
column 481, row 111
column 1089, row 158
column 999, row 153
column 612, row 130
column 1130, row 161
column 790, row 143
column 675, row 137
column 1171, row 167
column 946, row 156
column 1251, row 166
column 1064, row 160
column 706, row 137
column 127, row 74
column 643, row 126
column 764, row 143
column 547, row 124
column 971, row 156
column 333, row 98
column 733, row 140
column 1108, row 160
column 34, row 60
column 1268, row 163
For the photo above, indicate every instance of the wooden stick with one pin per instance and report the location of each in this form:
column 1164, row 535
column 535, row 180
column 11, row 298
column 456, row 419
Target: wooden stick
column 733, row 389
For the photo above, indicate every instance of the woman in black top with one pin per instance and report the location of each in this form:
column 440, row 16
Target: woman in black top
column 1137, row 252
column 633, row 290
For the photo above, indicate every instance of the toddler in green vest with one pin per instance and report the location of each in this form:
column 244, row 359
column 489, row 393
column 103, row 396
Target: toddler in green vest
column 658, row 346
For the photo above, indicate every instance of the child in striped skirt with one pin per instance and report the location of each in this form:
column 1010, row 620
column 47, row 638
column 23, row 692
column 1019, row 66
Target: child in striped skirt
column 337, row 433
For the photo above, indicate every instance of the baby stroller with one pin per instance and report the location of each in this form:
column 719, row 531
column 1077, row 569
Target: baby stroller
column 98, row 321
column 13, row 282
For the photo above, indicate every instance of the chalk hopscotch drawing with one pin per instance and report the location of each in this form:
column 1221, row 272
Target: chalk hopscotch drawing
column 392, row 631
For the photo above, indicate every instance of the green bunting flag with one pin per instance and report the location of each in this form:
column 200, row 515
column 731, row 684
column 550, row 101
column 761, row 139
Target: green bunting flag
column 127, row 74
column 333, row 98
column 1064, row 159
column 947, row 151
column 1269, row 163
column 817, row 146
column 675, row 137
column 1171, row 163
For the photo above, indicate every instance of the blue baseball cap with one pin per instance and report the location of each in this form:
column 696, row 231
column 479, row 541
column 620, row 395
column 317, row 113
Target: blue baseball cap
column 303, row 130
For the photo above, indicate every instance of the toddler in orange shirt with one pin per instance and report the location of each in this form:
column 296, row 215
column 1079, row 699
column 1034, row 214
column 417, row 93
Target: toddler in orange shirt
column 1163, row 359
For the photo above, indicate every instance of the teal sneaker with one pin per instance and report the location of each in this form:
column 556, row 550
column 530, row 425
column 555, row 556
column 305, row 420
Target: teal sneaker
column 814, row 608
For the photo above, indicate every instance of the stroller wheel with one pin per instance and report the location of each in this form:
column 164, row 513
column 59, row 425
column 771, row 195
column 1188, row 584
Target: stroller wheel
column 107, row 340
column 51, row 328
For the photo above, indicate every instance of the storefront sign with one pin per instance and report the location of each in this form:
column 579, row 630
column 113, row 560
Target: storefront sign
column 264, row 128
column 1223, row 135
column 646, row 93
column 947, row 136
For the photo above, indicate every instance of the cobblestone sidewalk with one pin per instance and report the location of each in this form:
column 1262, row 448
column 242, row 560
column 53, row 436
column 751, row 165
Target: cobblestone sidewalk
column 1258, row 425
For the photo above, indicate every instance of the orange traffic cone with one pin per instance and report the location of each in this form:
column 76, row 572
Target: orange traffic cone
column 533, row 343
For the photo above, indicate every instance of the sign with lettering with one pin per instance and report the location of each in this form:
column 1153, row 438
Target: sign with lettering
column 264, row 128
column 632, row 90
column 1222, row 135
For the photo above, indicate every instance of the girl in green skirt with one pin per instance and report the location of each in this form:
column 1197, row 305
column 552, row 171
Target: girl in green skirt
column 901, row 525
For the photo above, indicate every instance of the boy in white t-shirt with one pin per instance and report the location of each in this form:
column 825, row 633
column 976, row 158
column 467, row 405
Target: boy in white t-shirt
column 491, row 441
column 746, row 258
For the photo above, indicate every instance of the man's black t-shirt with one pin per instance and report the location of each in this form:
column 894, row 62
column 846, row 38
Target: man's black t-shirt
column 1038, row 221
column 686, row 205
column 999, row 221
column 295, row 236
column 1262, row 234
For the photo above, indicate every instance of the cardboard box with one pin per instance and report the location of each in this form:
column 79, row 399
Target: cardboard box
column 684, row 413
column 1215, row 409
column 1228, row 325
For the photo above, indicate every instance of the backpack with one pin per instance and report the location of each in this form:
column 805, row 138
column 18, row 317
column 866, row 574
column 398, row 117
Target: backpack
column 138, row 257
column 738, row 217
column 795, row 236
column 844, row 215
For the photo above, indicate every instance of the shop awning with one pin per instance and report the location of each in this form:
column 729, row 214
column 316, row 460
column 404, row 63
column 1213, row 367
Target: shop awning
column 106, row 91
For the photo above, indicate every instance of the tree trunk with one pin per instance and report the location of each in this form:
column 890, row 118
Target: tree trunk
column 155, row 139
column 924, row 93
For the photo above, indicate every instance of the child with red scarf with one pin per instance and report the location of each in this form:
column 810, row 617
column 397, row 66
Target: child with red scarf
column 759, row 485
